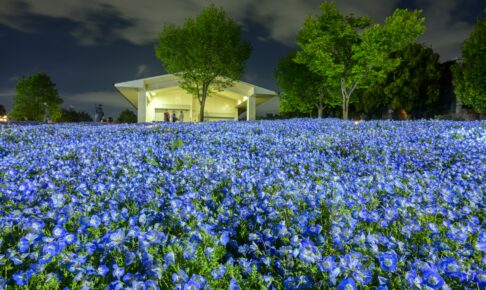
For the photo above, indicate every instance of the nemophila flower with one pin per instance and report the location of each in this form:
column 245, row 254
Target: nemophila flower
column 35, row 225
column 118, row 271
column 57, row 200
column 308, row 252
column 94, row 221
column 479, row 277
column 218, row 273
column 129, row 257
column 432, row 279
column 179, row 277
column 234, row 285
column 209, row 252
column 102, row 270
column 347, row 284
column 481, row 243
column 388, row 261
column 363, row 276
column 327, row 264
column 457, row 235
column 70, row 238
column 189, row 251
column 52, row 249
column 224, row 239
column 117, row 237
column 151, row 285
column 22, row 278
column 58, row 231
column 23, row 245
column 451, row 268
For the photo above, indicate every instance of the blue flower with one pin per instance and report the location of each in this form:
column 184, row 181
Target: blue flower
column 191, row 285
column 388, row 261
column 480, row 279
column 233, row 285
column 347, row 284
column 57, row 200
column 450, row 267
column 308, row 252
column 118, row 271
column 52, row 249
column 432, row 279
column 58, row 231
column 22, row 277
column 327, row 264
column 151, row 285
column 102, row 270
column 24, row 245
column 94, row 221
column 224, row 239
column 218, row 273
column 179, row 277
column 117, row 237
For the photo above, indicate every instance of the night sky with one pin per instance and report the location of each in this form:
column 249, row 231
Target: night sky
column 87, row 45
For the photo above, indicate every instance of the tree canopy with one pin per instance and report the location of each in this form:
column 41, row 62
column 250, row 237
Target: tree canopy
column 2, row 110
column 73, row 116
column 127, row 116
column 207, row 52
column 302, row 90
column 470, row 75
column 36, row 99
column 350, row 52
column 413, row 86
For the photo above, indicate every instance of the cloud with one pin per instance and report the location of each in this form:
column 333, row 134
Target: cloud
column 445, row 31
column 139, row 22
column 6, row 96
column 142, row 70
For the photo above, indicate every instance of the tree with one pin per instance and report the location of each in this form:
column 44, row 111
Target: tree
column 72, row 116
column 350, row 52
column 413, row 86
column 303, row 90
column 36, row 99
column 469, row 78
column 127, row 116
column 207, row 52
column 2, row 110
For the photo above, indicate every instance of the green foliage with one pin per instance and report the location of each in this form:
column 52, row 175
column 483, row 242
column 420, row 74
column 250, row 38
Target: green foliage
column 303, row 90
column 413, row 86
column 72, row 116
column 350, row 52
column 127, row 116
column 470, row 77
column 36, row 98
column 207, row 52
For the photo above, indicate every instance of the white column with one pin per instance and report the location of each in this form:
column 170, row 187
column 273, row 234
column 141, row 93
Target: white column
column 251, row 108
column 142, row 106
column 236, row 112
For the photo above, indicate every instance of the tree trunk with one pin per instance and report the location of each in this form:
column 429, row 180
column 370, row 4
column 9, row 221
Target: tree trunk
column 346, row 96
column 202, row 102
column 345, row 107
column 320, row 110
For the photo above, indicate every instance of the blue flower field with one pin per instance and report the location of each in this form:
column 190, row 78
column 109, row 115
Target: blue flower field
column 292, row 204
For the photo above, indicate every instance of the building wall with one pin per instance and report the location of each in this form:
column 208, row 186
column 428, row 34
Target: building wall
column 172, row 102
column 216, row 107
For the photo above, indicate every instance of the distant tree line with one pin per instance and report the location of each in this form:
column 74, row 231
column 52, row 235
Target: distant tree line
column 37, row 99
